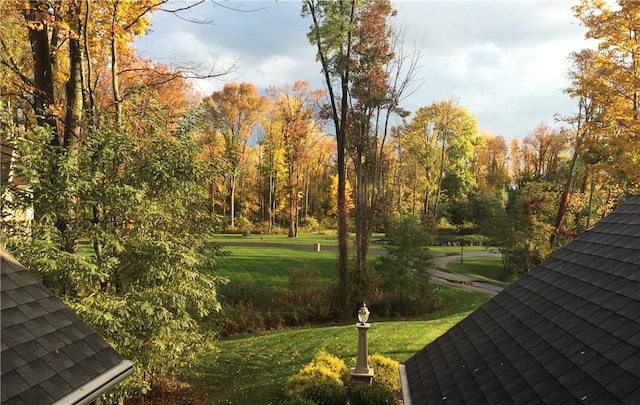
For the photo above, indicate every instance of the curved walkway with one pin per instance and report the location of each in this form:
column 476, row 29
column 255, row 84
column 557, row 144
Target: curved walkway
column 440, row 275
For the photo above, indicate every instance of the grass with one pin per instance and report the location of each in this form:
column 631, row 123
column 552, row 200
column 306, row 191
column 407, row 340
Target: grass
column 272, row 265
column 481, row 268
column 253, row 369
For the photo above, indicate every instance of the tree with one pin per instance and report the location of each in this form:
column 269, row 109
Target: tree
column 542, row 152
column 331, row 33
column 271, row 168
column 152, row 282
column 582, row 87
column 404, row 270
column 489, row 165
column 319, row 169
column 233, row 114
column 442, row 136
column 135, row 192
column 294, row 110
column 524, row 234
column 370, row 94
column 611, row 79
column 356, row 47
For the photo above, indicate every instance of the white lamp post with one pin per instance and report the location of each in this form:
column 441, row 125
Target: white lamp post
column 361, row 373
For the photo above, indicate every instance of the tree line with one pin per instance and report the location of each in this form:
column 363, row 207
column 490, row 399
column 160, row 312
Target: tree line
column 130, row 171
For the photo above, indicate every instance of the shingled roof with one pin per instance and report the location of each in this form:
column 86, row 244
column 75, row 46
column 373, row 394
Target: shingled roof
column 567, row 332
column 49, row 355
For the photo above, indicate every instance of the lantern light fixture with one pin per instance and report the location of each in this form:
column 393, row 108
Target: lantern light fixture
column 363, row 314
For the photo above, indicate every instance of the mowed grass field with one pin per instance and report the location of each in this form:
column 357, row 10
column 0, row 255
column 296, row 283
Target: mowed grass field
column 481, row 268
column 271, row 265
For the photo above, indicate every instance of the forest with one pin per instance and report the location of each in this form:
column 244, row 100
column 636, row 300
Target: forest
column 117, row 174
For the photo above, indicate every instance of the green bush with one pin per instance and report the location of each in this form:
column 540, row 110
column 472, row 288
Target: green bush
column 375, row 394
column 386, row 371
column 250, row 306
column 237, row 292
column 474, row 240
column 326, row 392
column 237, row 319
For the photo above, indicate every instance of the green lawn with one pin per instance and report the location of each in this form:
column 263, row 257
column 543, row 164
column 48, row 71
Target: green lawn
column 252, row 370
column 272, row 265
column 481, row 268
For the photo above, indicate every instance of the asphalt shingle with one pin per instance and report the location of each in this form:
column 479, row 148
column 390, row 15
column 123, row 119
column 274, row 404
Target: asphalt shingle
column 47, row 350
column 567, row 332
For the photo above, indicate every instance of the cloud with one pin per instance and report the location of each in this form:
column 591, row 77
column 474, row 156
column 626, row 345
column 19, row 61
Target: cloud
column 505, row 61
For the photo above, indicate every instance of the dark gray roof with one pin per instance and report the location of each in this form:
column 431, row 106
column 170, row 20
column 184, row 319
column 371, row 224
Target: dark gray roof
column 567, row 332
column 48, row 353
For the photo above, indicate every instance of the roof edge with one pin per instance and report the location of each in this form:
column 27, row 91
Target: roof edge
column 404, row 383
column 88, row 392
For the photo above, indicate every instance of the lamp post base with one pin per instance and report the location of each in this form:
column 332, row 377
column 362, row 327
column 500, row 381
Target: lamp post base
column 361, row 378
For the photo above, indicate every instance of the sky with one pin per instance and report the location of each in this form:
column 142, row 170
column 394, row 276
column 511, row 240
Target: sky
column 505, row 61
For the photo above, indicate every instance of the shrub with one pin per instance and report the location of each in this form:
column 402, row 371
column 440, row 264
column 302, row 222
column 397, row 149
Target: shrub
column 310, row 224
column 309, row 375
column 324, row 368
column 474, row 240
column 386, row 371
column 304, row 301
column 256, row 293
column 375, row 394
column 333, row 363
column 237, row 319
column 326, row 392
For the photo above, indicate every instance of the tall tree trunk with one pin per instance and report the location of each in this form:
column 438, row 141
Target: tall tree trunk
column 339, row 114
column 37, row 15
column 590, row 205
column 75, row 99
column 425, row 203
column 293, row 196
column 564, row 199
column 73, row 122
column 272, row 201
column 566, row 192
column 212, row 199
column 343, row 264
column 306, row 192
column 232, row 196
column 440, row 175
column 115, row 83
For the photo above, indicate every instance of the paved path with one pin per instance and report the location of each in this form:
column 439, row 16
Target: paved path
column 440, row 275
